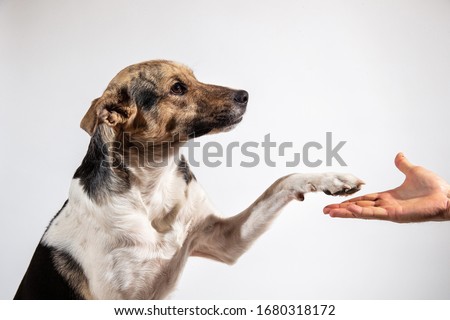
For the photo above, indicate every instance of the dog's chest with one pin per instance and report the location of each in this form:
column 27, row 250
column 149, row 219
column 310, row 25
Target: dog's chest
column 138, row 271
column 149, row 268
column 127, row 243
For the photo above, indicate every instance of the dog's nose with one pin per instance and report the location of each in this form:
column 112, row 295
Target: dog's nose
column 241, row 97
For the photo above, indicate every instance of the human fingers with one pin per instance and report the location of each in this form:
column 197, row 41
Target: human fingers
column 366, row 200
column 359, row 212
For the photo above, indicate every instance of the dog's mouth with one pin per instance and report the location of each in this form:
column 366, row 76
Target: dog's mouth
column 235, row 121
column 220, row 123
column 230, row 119
column 228, row 126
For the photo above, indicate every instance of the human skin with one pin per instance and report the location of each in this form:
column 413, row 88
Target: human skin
column 423, row 196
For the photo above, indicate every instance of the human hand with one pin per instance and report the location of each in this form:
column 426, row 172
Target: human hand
column 423, row 196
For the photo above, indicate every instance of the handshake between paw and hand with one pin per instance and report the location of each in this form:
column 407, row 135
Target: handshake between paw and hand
column 423, row 196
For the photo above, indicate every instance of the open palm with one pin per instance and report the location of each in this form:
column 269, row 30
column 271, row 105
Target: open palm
column 423, row 196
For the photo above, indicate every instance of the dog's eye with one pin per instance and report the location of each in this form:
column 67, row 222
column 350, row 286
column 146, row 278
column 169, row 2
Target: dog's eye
column 178, row 88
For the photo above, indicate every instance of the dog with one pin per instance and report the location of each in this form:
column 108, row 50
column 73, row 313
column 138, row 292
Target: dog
column 135, row 210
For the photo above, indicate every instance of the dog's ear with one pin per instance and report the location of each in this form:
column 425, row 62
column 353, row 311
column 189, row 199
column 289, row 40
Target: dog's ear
column 108, row 109
column 90, row 119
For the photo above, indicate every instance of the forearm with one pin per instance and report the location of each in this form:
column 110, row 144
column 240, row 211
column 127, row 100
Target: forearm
column 226, row 239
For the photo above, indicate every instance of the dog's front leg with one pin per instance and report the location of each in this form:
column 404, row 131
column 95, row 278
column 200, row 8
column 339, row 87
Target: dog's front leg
column 226, row 239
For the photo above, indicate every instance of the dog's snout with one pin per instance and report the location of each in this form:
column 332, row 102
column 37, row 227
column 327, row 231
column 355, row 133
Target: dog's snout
column 241, row 97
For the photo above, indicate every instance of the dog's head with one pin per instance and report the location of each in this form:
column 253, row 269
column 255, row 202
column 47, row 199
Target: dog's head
column 158, row 100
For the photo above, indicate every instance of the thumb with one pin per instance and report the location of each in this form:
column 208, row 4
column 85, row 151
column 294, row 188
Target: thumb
column 402, row 163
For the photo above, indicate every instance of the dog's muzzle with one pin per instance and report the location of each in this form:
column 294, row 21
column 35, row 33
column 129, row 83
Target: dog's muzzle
column 241, row 98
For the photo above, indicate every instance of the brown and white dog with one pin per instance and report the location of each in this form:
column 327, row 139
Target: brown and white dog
column 130, row 223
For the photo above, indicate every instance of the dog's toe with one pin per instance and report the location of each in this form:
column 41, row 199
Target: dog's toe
column 342, row 184
column 343, row 192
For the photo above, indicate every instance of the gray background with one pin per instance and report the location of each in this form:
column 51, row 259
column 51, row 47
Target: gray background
column 375, row 73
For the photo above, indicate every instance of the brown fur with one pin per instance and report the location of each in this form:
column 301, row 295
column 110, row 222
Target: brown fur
column 175, row 116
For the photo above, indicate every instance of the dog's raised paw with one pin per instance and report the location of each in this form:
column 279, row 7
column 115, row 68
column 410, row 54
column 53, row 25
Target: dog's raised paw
column 344, row 192
column 339, row 184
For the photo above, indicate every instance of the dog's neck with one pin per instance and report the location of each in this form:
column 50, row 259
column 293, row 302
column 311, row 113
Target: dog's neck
column 116, row 163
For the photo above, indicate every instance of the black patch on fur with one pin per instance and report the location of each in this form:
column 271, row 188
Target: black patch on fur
column 145, row 98
column 183, row 168
column 143, row 92
column 199, row 128
column 123, row 96
column 42, row 281
column 94, row 173
column 171, row 124
column 97, row 169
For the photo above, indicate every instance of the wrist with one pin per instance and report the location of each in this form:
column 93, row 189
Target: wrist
column 446, row 215
column 447, row 211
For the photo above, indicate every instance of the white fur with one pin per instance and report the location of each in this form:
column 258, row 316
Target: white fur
column 119, row 250
column 110, row 240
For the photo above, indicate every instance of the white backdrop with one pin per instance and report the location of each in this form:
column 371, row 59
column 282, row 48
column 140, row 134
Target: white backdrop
column 374, row 73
